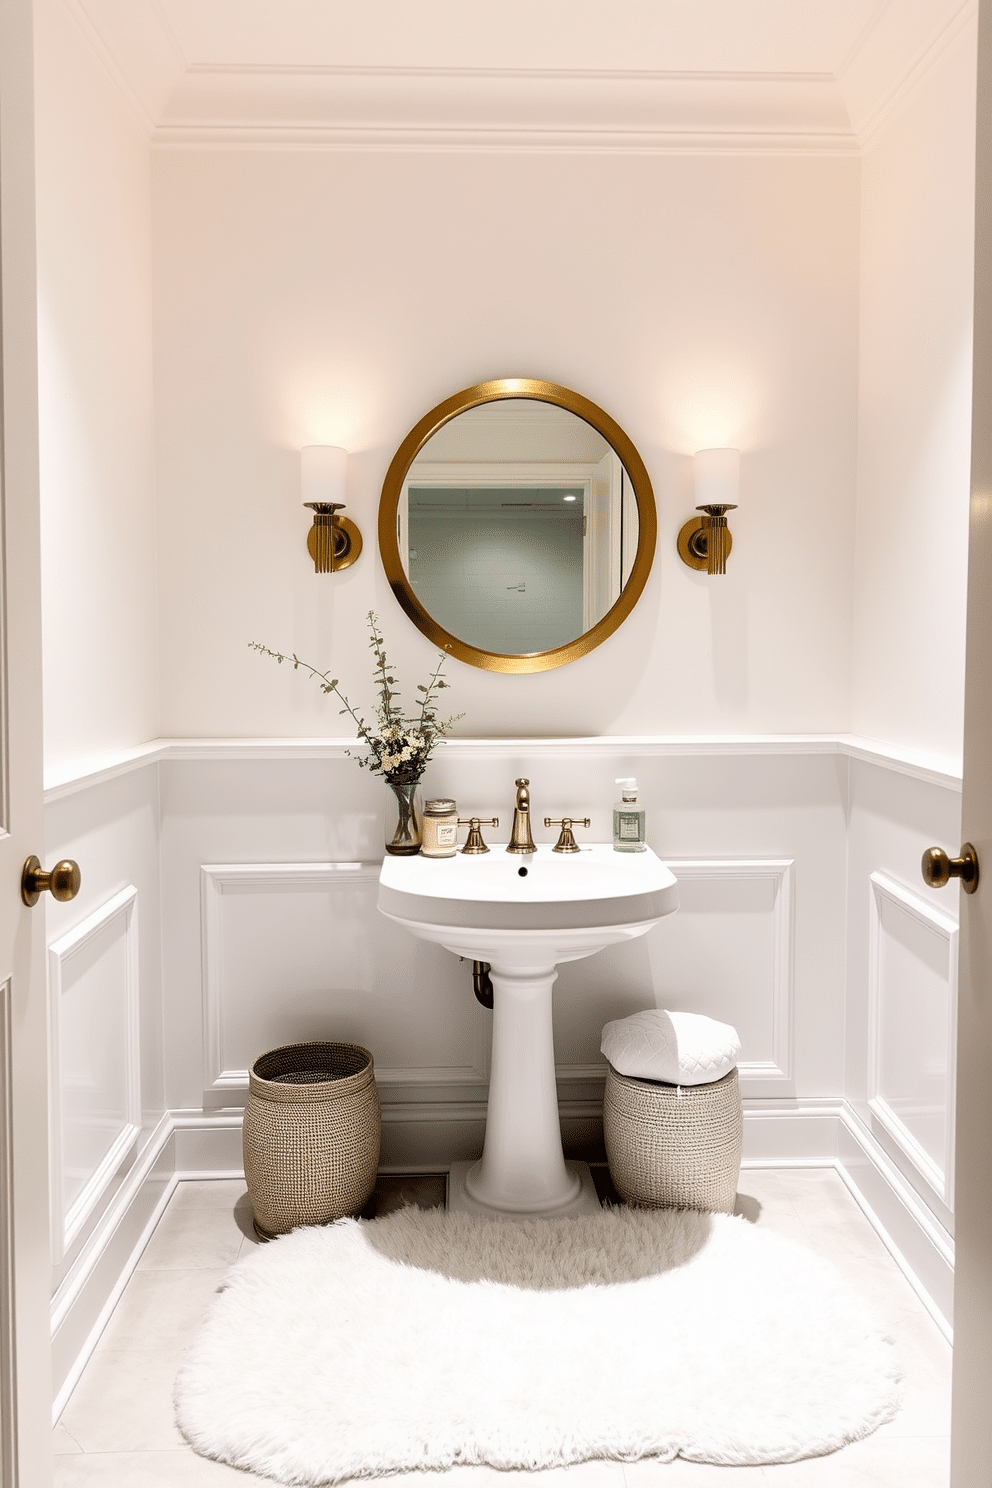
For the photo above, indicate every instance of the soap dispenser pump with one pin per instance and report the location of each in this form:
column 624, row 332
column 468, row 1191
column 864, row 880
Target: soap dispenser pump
column 629, row 833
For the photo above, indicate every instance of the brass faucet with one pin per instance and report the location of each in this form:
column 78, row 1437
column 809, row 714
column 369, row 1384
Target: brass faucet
column 520, row 839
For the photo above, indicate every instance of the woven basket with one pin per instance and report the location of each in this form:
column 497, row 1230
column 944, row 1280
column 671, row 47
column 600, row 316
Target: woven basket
column 311, row 1135
column 674, row 1146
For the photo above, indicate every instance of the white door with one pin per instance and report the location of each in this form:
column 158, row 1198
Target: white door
column 25, row 1367
column 971, row 1433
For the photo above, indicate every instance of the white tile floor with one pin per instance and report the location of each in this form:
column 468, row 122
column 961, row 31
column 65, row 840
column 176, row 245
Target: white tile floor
column 117, row 1430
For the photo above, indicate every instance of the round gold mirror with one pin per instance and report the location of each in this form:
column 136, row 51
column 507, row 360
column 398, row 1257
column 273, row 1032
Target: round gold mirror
column 517, row 525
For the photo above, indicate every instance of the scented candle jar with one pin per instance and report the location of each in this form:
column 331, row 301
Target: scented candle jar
column 440, row 829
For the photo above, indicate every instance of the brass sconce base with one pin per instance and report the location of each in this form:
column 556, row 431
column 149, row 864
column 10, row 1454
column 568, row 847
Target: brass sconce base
column 347, row 544
column 692, row 544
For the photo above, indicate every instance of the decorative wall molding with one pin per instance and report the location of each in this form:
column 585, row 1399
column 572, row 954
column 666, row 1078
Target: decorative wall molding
column 957, row 26
column 932, row 769
column 185, row 97
column 779, row 872
column 9, row 1470
column 117, row 920
column 918, row 1243
column 594, row 140
column 438, row 1082
column 68, row 779
column 218, row 880
column 95, row 1282
column 885, row 891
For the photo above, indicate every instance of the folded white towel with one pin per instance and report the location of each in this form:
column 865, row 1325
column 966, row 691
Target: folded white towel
column 679, row 1048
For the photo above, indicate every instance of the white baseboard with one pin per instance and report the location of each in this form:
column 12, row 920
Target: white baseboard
column 429, row 1137
column 81, row 1307
column 917, row 1241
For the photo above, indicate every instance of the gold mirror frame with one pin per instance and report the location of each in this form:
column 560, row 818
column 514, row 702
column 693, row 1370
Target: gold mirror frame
column 392, row 488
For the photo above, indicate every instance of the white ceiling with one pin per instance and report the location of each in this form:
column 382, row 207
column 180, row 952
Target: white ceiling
column 778, row 74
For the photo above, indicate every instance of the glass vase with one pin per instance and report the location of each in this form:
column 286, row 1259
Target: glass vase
column 406, row 838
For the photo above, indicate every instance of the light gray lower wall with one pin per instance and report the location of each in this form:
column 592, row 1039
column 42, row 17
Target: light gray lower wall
column 901, row 992
column 106, row 1016
column 263, row 945
column 228, row 905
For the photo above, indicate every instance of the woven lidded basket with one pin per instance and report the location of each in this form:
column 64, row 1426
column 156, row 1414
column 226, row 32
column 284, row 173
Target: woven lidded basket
column 674, row 1146
column 311, row 1135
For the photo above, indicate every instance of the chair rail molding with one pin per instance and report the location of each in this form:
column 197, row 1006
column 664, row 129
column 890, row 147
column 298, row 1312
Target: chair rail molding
column 69, row 779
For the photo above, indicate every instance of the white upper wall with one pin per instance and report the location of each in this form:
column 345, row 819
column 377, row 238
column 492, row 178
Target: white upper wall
column 334, row 297
column 917, row 264
column 95, row 394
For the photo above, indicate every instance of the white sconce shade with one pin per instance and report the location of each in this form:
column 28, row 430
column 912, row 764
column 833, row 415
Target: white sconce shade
column 333, row 542
column 704, row 542
column 718, row 477
column 322, row 474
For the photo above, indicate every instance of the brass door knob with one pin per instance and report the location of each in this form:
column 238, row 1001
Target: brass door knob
column 63, row 880
column 937, row 868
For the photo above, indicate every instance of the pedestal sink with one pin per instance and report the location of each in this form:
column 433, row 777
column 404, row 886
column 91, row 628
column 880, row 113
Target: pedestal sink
column 525, row 914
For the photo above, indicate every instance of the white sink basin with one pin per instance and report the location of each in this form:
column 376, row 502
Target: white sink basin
column 595, row 887
column 525, row 913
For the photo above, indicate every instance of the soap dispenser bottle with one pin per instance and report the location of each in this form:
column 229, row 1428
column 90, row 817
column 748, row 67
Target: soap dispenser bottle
column 628, row 819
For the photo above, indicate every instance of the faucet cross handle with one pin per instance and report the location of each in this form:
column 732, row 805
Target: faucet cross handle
column 566, row 842
column 474, row 842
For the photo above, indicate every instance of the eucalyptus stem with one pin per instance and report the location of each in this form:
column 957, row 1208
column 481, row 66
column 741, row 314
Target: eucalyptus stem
column 400, row 747
column 326, row 686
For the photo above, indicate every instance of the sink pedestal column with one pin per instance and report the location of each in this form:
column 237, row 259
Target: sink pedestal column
column 526, row 915
column 522, row 1169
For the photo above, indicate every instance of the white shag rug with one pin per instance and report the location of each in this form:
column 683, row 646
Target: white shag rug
column 427, row 1339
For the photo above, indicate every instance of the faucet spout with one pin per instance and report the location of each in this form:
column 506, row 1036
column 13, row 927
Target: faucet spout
column 521, row 840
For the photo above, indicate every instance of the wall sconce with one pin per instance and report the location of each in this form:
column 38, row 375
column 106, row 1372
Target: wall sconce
column 333, row 542
column 705, row 542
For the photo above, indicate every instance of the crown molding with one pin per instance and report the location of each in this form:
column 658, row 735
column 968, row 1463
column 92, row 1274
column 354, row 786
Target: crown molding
column 961, row 23
column 545, row 75
column 185, row 102
column 860, row 42
column 495, row 109
column 504, row 141
column 921, row 60
column 127, row 94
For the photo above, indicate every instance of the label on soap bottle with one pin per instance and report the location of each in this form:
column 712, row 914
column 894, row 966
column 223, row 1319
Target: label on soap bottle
column 629, row 833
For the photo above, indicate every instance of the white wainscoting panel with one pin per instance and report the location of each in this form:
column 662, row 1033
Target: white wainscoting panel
column 912, row 1007
column 95, row 1059
column 8, row 1359
column 296, row 951
column 728, row 953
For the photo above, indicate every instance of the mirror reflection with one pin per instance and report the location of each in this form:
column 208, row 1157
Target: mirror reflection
column 517, row 526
